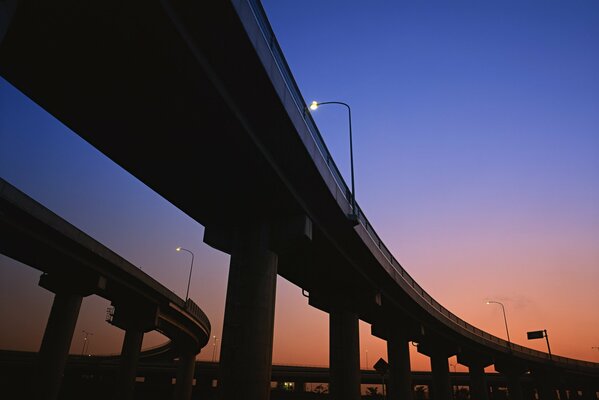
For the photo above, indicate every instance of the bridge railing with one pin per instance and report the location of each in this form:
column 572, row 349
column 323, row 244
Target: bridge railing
column 300, row 103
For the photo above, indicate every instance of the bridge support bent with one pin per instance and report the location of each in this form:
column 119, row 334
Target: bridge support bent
column 185, row 371
column 400, row 374
column 476, row 363
column 55, row 345
column 439, row 352
column 344, row 354
column 246, row 347
column 129, row 360
column 512, row 371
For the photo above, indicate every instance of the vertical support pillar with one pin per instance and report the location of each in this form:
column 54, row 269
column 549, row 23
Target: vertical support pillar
column 439, row 351
column 441, row 382
column 545, row 383
column 478, row 382
column 55, row 345
column 246, row 347
column 185, row 373
column 299, row 386
column 514, row 386
column 476, row 363
column 128, row 365
column 512, row 370
column 589, row 392
column 400, row 374
column 344, row 354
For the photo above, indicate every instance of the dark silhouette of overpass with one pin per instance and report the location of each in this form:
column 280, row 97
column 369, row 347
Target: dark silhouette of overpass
column 189, row 91
column 74, row 265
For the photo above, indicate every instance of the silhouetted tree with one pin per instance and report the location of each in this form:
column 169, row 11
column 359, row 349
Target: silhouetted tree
column 372, row 391
column 320, row 389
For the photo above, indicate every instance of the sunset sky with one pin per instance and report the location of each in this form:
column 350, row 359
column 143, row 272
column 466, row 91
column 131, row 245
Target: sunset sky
column 476, row 151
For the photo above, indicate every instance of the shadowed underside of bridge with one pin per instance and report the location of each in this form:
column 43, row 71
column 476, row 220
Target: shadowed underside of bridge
column 191, row 98
column 176, row 94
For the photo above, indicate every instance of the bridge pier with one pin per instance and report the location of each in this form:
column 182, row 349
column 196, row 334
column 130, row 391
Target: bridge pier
column 588, row 391
column 512, row 371
column 476, row 364
column 56, row 342
column 136, row 317
column 545, row 383
column 400, row 373
column 185, row 373
column 439, row 354
column 128, row 364
column 246, row 347
column 344, row 354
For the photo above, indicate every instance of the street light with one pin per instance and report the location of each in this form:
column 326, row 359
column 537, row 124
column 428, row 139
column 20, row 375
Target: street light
column 504, row 319
column 190, row 269
column 214, row 349
column 315, row 104
column 85, row 341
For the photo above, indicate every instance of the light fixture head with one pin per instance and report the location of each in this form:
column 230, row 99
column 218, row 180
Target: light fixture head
column 314, row 105
column 178, row 249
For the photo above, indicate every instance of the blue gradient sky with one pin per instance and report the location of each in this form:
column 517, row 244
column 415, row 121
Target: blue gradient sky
column 476, row 137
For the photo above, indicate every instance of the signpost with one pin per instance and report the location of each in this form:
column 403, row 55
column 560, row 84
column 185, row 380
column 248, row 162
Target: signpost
column 381, row 366
column 540, row 335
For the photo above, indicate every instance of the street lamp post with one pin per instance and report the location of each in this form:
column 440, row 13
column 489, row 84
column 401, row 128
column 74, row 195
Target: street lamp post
column 504, row 320
column 85, row 341
column 214, row 348
column 190, row 269
column 315, row 104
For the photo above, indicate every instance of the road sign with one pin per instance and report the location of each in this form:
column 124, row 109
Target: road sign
column 381, row 366
column 535, row 335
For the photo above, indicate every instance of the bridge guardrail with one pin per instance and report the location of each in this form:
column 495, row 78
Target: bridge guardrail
column 294, row 91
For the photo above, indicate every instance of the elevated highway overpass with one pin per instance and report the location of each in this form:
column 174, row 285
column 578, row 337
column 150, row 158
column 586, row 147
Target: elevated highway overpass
column 73, row 266
column 180, row 92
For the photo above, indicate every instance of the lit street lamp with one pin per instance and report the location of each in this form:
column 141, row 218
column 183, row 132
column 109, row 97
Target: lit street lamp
column 214, row 349
column 504, row 319
column 85, row 341
column 315, row 104
column 190, row 269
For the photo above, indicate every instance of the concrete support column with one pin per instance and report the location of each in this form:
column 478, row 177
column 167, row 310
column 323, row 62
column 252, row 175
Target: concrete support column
column 400, row 374
column 589, row 392
column 128, row 365
column 439, row 350
column 476, row 363
column 545, row 383
column 246, row 347
column 441, row 385
column 512, row 370
column 185, row 372
column 55, row 345
column 514, row 386
column 344, row 354
column 299, row 386
column 478, row 382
